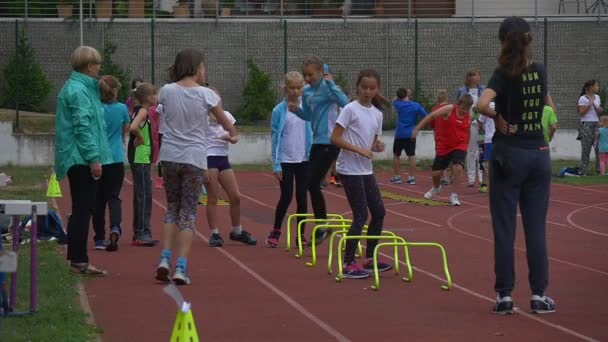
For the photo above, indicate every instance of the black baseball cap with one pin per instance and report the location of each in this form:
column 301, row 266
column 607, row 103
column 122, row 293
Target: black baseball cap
column 512, row 24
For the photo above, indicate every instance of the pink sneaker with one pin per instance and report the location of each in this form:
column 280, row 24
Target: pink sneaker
column 354, row 271
column 368, row 265
column 273, row 238
column 159, row 183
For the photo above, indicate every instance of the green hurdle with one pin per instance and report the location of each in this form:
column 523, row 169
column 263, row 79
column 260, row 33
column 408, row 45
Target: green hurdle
column 376, row 285
column 330, row 221
column 313, row 250
column 290, row 218
column 373, row 237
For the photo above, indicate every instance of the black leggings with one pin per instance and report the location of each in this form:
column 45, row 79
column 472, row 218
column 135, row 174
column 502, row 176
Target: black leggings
column 362, row 193
column 291, row 171
column 321, row 158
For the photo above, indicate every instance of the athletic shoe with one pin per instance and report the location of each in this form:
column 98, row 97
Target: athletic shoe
column 411, row 181
column 396, row 180
column 144, row 242
column 273, row 238
column 503, row 306
column 483, row 188
column 445, row 181
column 332, row 180
column 305, row 242
column 321, row 235
column 431, row 193
column 215, row 240
column 368, row 265
column 542, row 305
column 113, row 242
column 162, row 270
column 100, row 245
column 354, row 271
column 337, row 183
column 471, row 185
column 454, row 200
column 180, row 277
column 159, row 183
column 324, row 184
column 245, row 237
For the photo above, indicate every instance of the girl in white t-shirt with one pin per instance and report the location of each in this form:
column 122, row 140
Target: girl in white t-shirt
column 220, row 173
column 356, row 134
column 187, row 107
column 589, row 109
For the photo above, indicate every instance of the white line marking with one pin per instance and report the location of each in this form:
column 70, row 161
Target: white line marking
column 571, row 221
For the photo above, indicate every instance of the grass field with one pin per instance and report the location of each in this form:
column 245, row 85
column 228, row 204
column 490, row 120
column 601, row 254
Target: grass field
column 59, row 316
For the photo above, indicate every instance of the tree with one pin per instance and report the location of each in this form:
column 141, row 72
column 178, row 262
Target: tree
column 24, row 80
column 258, row 95
column 108, row 67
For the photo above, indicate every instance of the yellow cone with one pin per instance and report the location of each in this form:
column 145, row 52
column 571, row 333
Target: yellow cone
column 53, row 190
column 184, row 329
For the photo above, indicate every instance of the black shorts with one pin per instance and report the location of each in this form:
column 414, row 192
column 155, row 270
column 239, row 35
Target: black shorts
column 408, row 145
column 220, row 163
column 454, row 157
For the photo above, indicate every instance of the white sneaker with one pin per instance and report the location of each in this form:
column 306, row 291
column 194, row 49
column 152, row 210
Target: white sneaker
column 162, row 270
column 180, row 277
column 454, row 200
column 434, row 191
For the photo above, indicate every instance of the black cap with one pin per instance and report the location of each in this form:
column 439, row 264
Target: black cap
column 512, row 24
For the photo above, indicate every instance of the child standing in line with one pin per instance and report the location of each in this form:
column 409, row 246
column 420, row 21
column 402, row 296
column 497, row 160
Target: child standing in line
column 117, row 120
column 452, row 124
column 291, row 138
column 317, row 98
column 131, row 101
column 409, row 112
column 549, row 122
column 187, row 106
column 356, row 134
column 473, row 87
column 220, row 173
column 487, row 123
column 140, row 160
column 603, row 143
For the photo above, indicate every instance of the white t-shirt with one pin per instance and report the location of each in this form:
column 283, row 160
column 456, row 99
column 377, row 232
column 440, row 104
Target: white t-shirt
column 293, row 140
column 184, row 123
column 591, row 115
column 216, row 146
column 361, row 125
column 489, row 128
column 474, row 92
column 332, row 116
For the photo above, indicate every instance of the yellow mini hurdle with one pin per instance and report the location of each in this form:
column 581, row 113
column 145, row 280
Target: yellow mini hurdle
column 332, row 222
column 290, row 218
column 376, row 285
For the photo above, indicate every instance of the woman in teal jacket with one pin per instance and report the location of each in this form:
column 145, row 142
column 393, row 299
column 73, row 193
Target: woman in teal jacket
column 81, row 148
column 291, row 138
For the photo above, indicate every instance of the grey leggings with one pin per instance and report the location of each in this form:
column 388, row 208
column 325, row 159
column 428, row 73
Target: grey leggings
column 589, row 135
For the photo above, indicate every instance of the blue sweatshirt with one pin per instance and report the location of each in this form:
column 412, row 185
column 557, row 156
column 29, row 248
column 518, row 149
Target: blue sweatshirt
column 409, row 112
column 316, row 102
column 277, row 122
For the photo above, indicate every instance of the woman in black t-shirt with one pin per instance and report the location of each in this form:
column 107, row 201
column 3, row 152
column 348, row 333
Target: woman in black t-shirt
column 520, row 165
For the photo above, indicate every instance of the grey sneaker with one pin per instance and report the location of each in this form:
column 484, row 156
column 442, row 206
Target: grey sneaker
column 503, row 306
column 454, row 199
column 431, row 193
column 542, row 305
column 180, row 277
column 162, row 270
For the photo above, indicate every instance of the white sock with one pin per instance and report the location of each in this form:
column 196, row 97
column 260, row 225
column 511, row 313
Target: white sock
column 215, row 231
column 237, row 230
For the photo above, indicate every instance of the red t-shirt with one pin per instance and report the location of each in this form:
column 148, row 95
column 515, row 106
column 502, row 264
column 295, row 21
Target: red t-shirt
column 452, row 133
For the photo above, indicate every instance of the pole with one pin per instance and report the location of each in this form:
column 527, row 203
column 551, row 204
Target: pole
column 152, row 46
column 546, row 52
column 472, row 11
column 81, row 24
column 284, row 47
column 416, row 85
column 34, row 260
column 18, row 83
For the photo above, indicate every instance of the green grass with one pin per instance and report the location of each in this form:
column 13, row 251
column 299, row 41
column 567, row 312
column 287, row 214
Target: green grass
column 253, row 129
column 59, row 316
column 594, row 179
column 30, row 123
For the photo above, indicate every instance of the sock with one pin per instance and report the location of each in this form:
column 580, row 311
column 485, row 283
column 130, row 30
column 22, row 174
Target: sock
column 215, row 231
column 410, row 177
column 182, row 263
column 237, row 230
column 165, row 254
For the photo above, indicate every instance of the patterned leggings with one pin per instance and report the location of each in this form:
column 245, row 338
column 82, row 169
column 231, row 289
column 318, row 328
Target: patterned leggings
column 589, row 138
column 182, row 184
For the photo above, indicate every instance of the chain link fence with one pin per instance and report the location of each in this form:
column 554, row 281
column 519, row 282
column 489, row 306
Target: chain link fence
column 424, row 54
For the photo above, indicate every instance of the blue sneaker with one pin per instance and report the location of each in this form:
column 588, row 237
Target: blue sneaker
column 180, row 277
column 396, row 180
column 382, row 266
column 542, row 305
column 100, row 245
column 354, row 271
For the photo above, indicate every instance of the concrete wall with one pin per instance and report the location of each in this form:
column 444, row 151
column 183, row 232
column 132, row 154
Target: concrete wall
column 253, row 148
column 501, row 8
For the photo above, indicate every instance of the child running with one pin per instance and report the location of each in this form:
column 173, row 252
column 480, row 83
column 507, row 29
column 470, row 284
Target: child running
column 183, row 153
column 317, row 98
column 356, row 133
column 603, row 142
column 117, row 120
column 452, row 123
column 140, row 153
column 291, row 138
column 220, row 173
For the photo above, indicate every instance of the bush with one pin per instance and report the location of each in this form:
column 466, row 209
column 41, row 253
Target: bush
column 24, row 80
column 109, row 68
column 258, row 95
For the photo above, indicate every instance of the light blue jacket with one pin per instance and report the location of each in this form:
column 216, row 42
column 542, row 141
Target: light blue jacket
column 316, row 101
column 277, row 122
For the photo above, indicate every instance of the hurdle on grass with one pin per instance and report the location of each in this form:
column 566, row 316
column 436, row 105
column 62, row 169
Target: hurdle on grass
column 17, row 208
column 290, row 218
column 376, row 285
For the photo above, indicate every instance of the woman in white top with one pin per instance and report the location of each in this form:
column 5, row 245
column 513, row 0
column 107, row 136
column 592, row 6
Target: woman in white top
column 187, row 107
column 589, row 109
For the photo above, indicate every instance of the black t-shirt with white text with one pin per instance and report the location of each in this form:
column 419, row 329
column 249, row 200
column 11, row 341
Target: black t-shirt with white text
column 520, row 102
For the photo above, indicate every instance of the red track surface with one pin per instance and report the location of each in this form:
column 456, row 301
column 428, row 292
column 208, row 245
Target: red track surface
column 242, row 293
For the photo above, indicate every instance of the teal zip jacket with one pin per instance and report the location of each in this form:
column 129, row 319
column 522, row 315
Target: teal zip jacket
column 80, row 137
column 277, row 122
column 316, row 100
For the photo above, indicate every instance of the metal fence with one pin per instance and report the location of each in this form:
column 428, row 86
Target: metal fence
column 425, row 54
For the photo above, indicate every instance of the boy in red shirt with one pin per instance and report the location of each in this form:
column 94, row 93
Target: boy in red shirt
column 452, row 124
